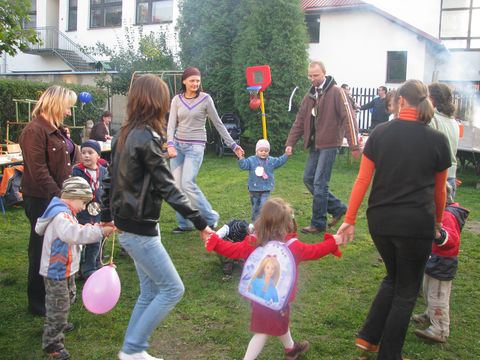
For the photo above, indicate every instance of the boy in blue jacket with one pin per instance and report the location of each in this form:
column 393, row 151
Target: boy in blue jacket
column 63, row 236
column 260, row 177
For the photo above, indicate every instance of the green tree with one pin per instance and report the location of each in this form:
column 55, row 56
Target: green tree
column 206, row 32
column 13, row 14
column 136, row 52
column 273, row 33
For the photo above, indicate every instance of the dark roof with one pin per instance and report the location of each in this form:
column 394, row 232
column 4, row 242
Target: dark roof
column 332, row 5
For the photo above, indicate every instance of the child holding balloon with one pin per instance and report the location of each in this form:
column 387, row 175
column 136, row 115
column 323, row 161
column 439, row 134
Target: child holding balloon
column 61, row 257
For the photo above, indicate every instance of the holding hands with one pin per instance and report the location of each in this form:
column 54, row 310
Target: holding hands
column 107, row 228
column 347, row 233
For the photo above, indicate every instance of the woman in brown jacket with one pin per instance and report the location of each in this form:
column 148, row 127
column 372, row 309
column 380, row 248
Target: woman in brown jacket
column 48, row 155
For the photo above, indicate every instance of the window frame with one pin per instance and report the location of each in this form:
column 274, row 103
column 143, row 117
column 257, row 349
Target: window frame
column 309, row 24
column 105, row 5
column 71, row 10
column 391, row 62
column 460, row 39
column 150, row 12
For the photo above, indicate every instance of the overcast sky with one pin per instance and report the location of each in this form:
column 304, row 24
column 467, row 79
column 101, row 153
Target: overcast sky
column 422, row 14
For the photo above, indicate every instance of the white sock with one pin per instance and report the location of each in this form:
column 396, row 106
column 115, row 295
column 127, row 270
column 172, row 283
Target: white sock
column 287, row 340
column 255, row 346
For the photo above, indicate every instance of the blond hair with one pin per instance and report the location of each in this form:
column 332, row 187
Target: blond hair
column 260, row 272
column 275, row 221
column 319, row 64
column 52, row 104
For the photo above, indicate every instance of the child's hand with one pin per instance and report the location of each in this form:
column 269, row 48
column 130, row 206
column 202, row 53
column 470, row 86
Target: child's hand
column 239, row 152
column 205, row 234
column 347, row 232
column 338, row 239
column 107, row 230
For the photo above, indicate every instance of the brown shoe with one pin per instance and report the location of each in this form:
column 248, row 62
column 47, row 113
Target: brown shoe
column 298, row 349
column 337, row 218
column 429, row 335
column 312, row 230
column 365, row 345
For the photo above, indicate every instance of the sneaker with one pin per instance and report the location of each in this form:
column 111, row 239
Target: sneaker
column 69, row 327
column 137, row 356
column 365, row 345
column 179, row 230
column 421, row 319
column 429, row 335
column 298, row 349
column 227, row 268
column 60, row 354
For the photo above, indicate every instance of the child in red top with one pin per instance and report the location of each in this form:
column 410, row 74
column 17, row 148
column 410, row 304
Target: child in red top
column 275, row 222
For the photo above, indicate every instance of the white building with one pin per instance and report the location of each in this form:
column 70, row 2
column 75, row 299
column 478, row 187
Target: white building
column 66, row 25
column 365, row 46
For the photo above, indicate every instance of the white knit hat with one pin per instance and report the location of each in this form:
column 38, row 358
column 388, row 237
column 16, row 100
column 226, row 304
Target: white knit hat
column 76, row 187
column 262, row 144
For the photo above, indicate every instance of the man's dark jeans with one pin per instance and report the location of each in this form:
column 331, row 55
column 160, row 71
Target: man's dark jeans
column 316, row 178
column 389, row 315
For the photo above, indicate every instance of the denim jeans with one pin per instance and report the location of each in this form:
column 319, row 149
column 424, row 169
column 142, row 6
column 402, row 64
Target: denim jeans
column 91, row 261
column 318, row 171
column 257, row 199
column 389, row 316
column 453, row 183
column 185, row 168
column 160, row 288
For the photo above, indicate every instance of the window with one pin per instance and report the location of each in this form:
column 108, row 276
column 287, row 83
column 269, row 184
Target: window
column 105, row 13
column 460, row 24
column 313, row 28
column 396, row 66
column 72, row 15
column 32, row 14
column 154, row 11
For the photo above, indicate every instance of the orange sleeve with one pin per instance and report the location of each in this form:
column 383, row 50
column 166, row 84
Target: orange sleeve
column 360, row 187
column 440, row 193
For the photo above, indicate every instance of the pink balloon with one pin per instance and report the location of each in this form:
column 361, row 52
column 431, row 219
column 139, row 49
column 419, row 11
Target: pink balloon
column 102, row 290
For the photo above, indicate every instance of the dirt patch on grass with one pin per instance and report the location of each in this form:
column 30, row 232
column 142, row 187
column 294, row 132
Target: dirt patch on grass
column 473, row 226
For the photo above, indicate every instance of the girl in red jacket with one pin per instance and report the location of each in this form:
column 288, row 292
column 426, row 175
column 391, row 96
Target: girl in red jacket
column 439, row 272
column 275, row 222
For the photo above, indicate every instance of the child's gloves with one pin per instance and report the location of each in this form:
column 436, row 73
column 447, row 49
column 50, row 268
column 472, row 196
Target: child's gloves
column 442, row 239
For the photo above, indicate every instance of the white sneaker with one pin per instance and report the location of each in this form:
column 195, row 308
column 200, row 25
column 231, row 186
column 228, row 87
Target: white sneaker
column 136, row 356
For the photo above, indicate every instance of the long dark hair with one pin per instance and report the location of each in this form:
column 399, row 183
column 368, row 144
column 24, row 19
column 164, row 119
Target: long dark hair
column 148, row 104
column 442, row 98
column 416, row 94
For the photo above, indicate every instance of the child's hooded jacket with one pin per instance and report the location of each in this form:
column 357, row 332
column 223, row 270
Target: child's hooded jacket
column 62, row 238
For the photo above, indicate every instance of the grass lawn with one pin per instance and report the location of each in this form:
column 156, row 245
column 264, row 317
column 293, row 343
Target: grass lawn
column 212, row 320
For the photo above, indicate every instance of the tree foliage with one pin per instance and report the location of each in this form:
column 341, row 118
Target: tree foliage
column 222, row 38
column 13, row 14
column 136, row 52
column 206, row 33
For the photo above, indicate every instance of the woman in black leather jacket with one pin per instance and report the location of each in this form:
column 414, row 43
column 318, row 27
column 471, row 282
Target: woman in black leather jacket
column 138, row 180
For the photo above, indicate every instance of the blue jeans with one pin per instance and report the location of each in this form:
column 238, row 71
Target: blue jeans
column 160, row 288
column 316, row 177
column 453, row 184
column 257, row 199
column 91, row 261
column 389, row 316
column 185, row 168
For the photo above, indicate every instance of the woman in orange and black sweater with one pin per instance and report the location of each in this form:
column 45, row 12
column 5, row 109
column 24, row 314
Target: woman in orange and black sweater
column 408, row 162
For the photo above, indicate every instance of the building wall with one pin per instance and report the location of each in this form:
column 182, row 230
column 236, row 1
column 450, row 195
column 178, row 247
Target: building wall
column 55, row 13
column 354, row 45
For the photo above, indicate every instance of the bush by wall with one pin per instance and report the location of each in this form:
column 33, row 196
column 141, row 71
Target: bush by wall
column 19, row 89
